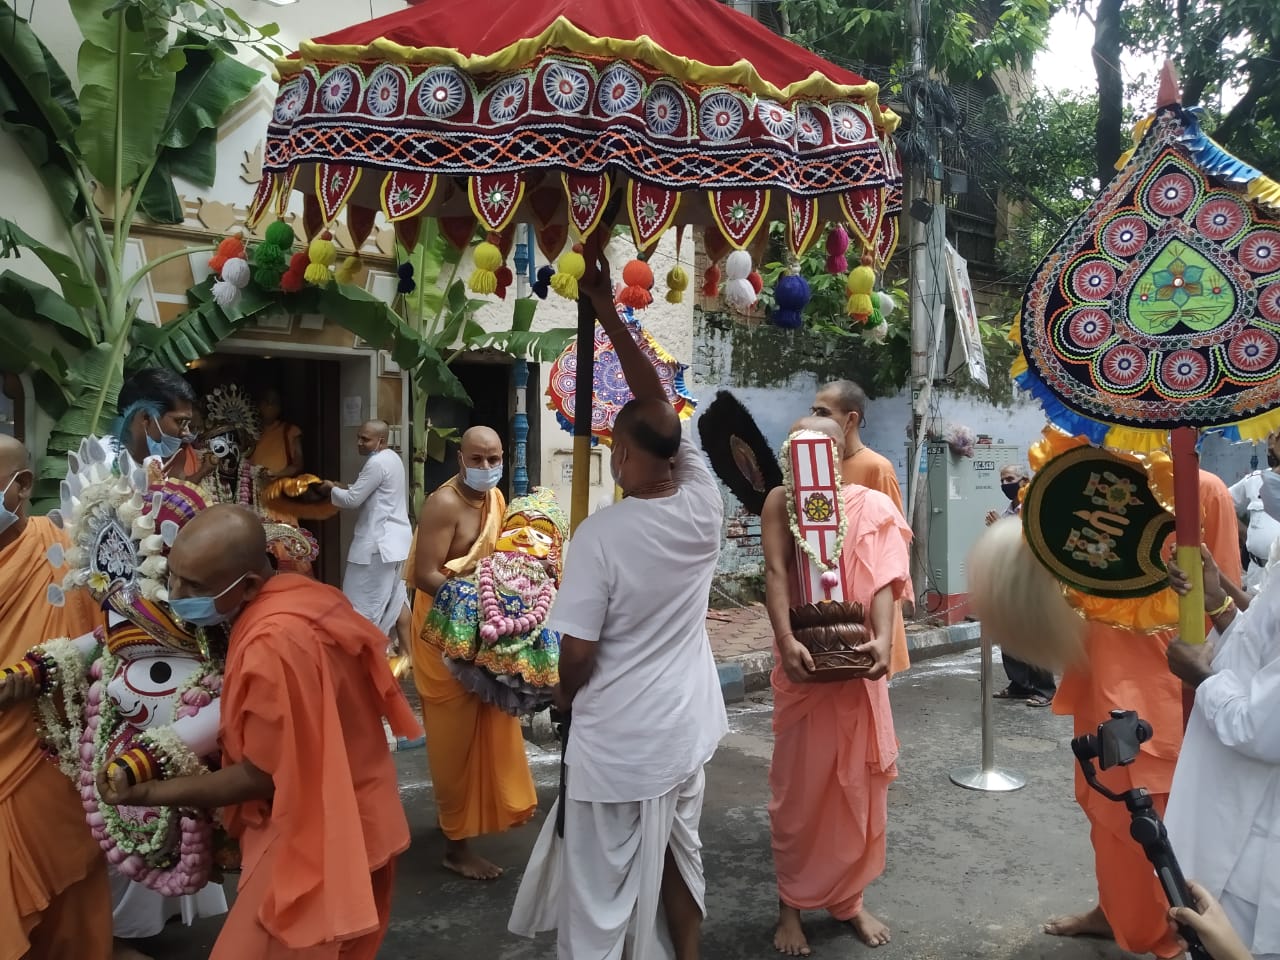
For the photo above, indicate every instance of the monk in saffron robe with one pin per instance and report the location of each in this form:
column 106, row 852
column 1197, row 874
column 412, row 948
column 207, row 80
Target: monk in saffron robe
column 834, row 745
column 54, row 898
column 308, row 785
column 845, row 402
column 1125, row 670
column 475, row 751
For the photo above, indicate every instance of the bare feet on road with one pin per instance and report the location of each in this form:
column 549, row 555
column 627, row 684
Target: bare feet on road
column 462, row 860
column 869, row 929
column 789, row 939
column 1090, row 924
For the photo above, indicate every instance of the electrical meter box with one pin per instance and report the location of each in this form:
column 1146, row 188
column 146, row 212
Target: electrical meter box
column 962, row 490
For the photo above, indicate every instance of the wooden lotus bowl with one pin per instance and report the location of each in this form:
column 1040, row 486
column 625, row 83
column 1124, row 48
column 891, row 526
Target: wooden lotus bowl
column 830, row 631
column 298, row 497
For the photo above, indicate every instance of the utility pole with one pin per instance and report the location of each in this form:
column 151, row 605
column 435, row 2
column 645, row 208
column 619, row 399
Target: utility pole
column 923, row 313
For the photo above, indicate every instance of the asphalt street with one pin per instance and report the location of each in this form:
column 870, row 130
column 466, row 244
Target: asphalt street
column 970, row 875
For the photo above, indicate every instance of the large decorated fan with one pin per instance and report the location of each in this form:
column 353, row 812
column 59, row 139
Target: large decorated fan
column 611, row 392
column 576, row 116
column 1158, row 313
column 738, row 451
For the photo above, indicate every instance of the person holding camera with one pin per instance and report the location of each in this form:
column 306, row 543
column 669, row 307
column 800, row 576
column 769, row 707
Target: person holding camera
column 1224, row 808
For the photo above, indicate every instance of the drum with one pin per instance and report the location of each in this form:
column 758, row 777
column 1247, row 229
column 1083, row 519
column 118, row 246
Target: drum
column 830, row 630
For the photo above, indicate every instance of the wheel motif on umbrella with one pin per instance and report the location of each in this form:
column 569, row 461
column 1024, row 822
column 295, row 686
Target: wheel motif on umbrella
column 1171, row 194
column 809, row 125
column 442, row 92
column 1220, row 218
column 1090, row 328
column 721, row 116
column 1184, row 371
column 336, row 89
column 385, row 89
column 567, row 88
column 777, row 119
column 289, row 103
column 507, row 99
column 848, row 123
column 664, row 111
column 1269, row 303
column 1125, row 236
column 1260, row 252
column 1252, row 352
column 620, row 90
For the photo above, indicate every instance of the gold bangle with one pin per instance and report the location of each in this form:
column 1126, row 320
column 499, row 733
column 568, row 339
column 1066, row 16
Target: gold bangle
column 1227, row 604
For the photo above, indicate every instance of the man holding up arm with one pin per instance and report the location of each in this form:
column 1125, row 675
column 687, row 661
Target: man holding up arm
column 636, row 669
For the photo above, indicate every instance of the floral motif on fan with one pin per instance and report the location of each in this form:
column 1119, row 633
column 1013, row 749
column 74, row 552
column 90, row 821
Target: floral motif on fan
column 611, row 392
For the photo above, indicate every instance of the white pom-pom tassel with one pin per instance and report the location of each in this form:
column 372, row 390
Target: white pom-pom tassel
column 225, row 294
column 878, row 333
column 236, row 272
column 153, row 567
column 738, row 292
column 887, row 303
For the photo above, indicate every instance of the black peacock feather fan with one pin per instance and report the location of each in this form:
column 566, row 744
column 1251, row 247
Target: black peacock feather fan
column 738, row 451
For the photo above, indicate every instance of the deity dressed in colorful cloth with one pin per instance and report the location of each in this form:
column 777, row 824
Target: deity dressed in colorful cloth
column 491, row 626
column 142, row 690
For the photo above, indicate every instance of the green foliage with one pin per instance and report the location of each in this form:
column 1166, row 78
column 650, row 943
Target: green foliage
column 964, row 38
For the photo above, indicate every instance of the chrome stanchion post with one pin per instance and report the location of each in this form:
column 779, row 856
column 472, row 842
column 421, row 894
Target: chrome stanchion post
column 986, row 777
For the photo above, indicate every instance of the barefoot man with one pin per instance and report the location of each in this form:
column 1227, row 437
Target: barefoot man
column 54, row 897
column 479, row 770
column 834, row 747
column 637, row 672
column 1127, row 670
column 306, row 786
column 846, row 403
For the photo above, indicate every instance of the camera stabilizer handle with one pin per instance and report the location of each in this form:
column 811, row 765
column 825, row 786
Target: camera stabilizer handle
column 1146, row 827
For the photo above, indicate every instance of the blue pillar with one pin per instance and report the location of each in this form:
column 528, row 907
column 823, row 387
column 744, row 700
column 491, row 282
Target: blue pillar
column 520, row 378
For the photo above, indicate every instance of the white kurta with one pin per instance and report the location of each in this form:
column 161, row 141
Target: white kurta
column 600, row 887
column 1224, row 808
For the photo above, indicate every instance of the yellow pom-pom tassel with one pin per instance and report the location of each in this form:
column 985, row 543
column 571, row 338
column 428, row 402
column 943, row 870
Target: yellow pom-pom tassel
column 485, row 278
column 320, row 254
column 862, row 280
column 677, row 284
column 571, row 268
column 347, row 272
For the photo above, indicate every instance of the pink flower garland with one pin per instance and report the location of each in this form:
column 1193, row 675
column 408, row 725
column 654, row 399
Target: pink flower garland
column 190, row 872
column 516, row 577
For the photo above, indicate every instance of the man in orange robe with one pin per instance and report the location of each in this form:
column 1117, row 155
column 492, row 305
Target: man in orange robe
column 846, row 403
column 1125, row 670
column 54, row 898
column 835, row 751
column 308, row 784
column 479, row 770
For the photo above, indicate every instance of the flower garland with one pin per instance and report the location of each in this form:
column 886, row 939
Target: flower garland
column 829, row 568
column 64, row 685
column 169, row 849
column 522, row 576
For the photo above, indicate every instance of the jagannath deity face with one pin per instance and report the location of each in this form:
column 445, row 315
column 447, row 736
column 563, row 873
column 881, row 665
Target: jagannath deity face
column 530, row 532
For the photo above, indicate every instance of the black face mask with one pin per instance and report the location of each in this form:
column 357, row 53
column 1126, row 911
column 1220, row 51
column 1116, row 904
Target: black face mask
column 1011, row 488
column 1272, row 460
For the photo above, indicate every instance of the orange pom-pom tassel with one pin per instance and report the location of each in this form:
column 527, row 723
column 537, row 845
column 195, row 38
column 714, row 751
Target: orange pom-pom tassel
column 756, row 281
column 229, row 249
column 711, row 282
column 637, row 278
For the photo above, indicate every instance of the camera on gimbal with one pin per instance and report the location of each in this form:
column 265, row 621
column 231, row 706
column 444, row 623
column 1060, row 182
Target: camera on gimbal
column 1117, row 741
column 1116, row 744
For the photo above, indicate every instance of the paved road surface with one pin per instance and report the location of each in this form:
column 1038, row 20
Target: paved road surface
column 970, row 875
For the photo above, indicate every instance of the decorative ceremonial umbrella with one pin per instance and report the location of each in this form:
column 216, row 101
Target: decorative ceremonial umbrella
column 565, row 113
column 1158, row 313
column 611, row 393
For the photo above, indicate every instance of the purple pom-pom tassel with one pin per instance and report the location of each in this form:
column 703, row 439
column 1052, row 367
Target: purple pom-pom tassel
column 791, row 296
column 407, row 284
column 542, row 285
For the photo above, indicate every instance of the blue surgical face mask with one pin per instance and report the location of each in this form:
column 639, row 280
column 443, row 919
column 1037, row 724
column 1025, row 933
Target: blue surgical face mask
column 482, row 479
column 1270, row 493
column 166, row 446
column 7, row 517
column 203, row 611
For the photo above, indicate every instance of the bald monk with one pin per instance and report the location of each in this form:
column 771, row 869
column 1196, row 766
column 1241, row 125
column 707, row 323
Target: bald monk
column 846, row 403
column 834, row 752
column 479, row 770
column 374, row 578
column 1129, row 671
column 307, row 785
column 54, row 898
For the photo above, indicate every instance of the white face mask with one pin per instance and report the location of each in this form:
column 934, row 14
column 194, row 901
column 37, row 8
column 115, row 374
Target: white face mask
column 7, row 517
column 482, row 479
column 1270, row 494
column 615, row 467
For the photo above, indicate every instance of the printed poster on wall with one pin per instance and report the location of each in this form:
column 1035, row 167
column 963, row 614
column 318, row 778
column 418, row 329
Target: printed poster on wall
column 968, row 336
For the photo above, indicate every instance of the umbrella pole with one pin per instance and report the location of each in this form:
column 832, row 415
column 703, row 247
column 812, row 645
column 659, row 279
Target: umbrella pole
column 1186, row 491
column 580, row 501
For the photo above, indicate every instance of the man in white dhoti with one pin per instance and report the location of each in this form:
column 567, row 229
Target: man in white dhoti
column 637, row 672
column 1224, row 807
column 373, row 580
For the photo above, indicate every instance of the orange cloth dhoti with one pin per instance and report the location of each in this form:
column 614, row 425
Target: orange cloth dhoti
column 55, row 902
column 829, row 786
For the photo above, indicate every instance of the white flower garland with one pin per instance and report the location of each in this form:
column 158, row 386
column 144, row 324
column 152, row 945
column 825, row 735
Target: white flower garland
column 61, row 708
column 842, row 523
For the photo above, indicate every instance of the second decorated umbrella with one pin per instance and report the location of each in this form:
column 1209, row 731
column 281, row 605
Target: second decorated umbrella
column 1157, row 315
column 576, row 116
